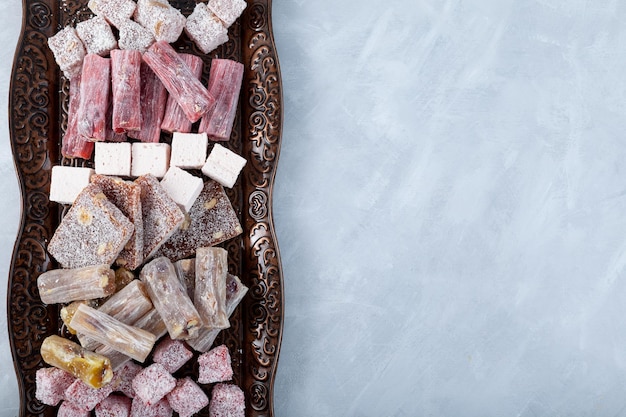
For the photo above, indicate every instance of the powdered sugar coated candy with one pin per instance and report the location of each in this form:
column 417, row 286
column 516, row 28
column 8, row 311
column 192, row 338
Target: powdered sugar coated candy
column 67, row 182
column 205, row 29
column 134, row 36
column 114, row 406
column 96, row 35
column 211, row 220
column 94, row 93
column 172, row 354
column 215, row 366
column 68, row 50
column 227, row 10
column 92, row 232
column 223, row 165
column 161, row 215
column 67, row 409
column 83, row 397
column 227, row 401
column 183, row 187
column 164, row 21
column 51, row 384
column 160, row 409
column 180, row 82
column 187, row 398
column 126, row 196
column 153, row 383
column 114, row 11
column 123, row 378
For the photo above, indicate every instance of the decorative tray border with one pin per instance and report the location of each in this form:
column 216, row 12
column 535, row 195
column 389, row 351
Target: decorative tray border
column 36, row 119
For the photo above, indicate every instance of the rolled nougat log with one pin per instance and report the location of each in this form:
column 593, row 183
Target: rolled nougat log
column 91, row 368
column 170, row 299
column 66, row 285
column 130, row 340
column 210, row 291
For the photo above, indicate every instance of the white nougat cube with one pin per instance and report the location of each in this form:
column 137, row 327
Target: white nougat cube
column 227, row 10
column 96, row 35
column 182, row 187
column 67, row 182
column 150, row 158
column 189, row 150
column 112, row 158
column 223, row 165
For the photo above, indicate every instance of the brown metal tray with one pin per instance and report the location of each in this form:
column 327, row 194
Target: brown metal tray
column 37, row 119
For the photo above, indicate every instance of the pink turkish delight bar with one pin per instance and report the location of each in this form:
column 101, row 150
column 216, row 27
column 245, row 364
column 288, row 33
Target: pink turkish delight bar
column 180, row 82
column 175, row 119
column 75, row 145
column 153, row 101
column 126, row 82
column 224, row 85
column 94, row 93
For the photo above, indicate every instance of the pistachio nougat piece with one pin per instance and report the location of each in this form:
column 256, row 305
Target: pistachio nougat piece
column 170, row 299
column 129, row 340
column 66, row 285
column 210, row 290
column 93, row 232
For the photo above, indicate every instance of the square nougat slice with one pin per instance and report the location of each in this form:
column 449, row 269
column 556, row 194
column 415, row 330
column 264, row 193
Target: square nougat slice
column 126, row 195
column 211, row 220
column 161, row 215
column 94, row 231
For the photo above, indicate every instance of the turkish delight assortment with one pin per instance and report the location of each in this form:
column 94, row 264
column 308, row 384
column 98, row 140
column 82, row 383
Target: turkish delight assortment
column 152, row 207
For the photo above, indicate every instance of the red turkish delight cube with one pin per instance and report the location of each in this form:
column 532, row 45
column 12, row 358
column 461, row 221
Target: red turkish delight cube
column 224, row 85
column 172, row 354
column 83, row 397
column 160, row 409
column 187, row 398
column 227, row 401
column 126, row 82
column 67, row 409
column 123, row 378
column 175, row 119
column 153, row 102
column 114, row 406
column 215, row 366
column 94, row 93
column 51, row 384
column 153, row 383
column 180, row 82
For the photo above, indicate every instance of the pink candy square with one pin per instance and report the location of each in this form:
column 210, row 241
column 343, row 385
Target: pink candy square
column 123, row 378
column 215, row 366
column 172, row 354
column 83, row 397
column 69, row 410
column 187, row 398
column 227, row 401
column 114, row 406
column 51, row 385
column 153, row 383
column 160, row 409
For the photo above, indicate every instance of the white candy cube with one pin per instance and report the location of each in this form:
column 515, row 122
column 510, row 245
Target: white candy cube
column 67, row 182
column 189, row 150
column 205, row 29
column 182, row 187
column 150, row 158
column 223, row 165
column 227, row 10
column 112, row 158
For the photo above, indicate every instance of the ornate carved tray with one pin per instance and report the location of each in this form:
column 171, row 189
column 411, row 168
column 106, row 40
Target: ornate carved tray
column 37, row 120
